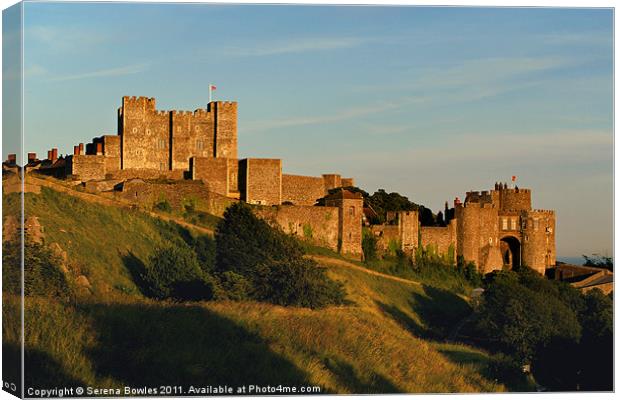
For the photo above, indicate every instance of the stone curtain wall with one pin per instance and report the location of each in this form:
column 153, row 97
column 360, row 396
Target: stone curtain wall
column 318, row 225
column 146, row 194
column 439, row 239
column 213, row 172
column 112, row 152
column 263, row 181
column 302, row 190
column 85, row 167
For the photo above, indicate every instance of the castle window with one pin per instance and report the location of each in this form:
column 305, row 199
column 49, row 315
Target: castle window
column 134, row 130
column 505, row 224
column 535, row 224
column 513, row 224
column 162, row 166
column 351, row 211
column 161, row 144
column 200, row 145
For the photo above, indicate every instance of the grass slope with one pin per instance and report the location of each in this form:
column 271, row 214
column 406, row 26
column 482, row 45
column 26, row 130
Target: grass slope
column 388, row 339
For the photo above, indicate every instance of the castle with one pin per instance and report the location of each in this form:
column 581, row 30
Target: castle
column 494, row 229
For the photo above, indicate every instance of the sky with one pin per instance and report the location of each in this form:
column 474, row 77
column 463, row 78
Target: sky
column 427, row 102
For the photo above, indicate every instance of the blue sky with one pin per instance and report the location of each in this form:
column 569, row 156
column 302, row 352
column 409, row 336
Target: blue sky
column 429, row 102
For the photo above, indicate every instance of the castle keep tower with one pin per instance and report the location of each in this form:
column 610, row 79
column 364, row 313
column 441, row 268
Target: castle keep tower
column 350, row 209
column 166, row 140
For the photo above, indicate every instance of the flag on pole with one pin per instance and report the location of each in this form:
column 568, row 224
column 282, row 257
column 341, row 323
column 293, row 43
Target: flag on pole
column 211, row 89
column 514, row 178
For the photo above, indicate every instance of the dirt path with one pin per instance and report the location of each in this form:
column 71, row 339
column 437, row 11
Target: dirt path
column 346, row 264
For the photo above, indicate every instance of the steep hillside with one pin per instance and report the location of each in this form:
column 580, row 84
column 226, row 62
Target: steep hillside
column 388, row 338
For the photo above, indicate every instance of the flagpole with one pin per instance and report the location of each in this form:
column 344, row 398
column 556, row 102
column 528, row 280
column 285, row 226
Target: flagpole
column 210, row 86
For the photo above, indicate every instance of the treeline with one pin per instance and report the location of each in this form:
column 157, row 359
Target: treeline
column 247, row 260
column 381, row 202
column 563, row 335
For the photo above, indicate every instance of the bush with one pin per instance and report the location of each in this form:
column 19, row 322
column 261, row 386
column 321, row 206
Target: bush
column 163, row 205
column 174, row 273
column 369, row 245
column 270, row 262
column 233, row 287
column 42, row 274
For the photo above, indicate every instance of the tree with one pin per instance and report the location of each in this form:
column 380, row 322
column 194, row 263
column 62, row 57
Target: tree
column 598, row 261
column 268, row 265
column 174, row 273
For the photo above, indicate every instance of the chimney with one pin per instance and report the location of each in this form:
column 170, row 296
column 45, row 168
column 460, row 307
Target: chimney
column 12, row 159
column 32, row 157
column 49, row 154
column 457, row 201
column 76, row 150
column 54, row 154
column 99, row 149
column 81, row 148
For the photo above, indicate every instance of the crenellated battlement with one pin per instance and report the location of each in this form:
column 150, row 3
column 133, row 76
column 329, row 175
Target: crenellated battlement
column 540, row 211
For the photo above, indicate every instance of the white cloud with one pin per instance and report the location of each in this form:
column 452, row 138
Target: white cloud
column 119, row 71
column 296, row 46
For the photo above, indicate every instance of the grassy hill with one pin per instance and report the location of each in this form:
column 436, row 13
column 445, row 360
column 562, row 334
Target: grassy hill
column 390, row 337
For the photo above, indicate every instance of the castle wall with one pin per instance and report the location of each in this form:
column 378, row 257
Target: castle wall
column 318, row 225
column 213, row 172
column 441, row 239
column 112, row 152
column 233, row 178
column 387, row 236
column 477, row 235
column 332, row 181
column 302, row 190
column 262, row 179
column 347, row 182
column 146, row 194
column 146, row 174
column 85, row 167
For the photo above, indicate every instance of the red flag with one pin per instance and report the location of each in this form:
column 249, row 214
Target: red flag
column 514, row 178
column 213, row 87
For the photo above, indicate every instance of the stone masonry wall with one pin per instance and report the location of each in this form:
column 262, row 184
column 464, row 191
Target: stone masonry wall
column 213, row 172
column 112, row 152
column 193, row 135
column 146, row 194
column 318, row 225
column 85, row 167
column 263, row 181
column 145, row 135
column 225, row 129
column 302, row 190
column 440, row 239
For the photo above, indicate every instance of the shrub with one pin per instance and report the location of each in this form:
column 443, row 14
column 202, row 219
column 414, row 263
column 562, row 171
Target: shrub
column 234, row 286
column 163, row 205
column 271, row 262
column 369, row 245
column 42, row 274
column 174, row 273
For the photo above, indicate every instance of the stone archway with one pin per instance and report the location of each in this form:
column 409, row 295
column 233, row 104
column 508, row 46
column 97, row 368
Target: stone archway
column 510, row 248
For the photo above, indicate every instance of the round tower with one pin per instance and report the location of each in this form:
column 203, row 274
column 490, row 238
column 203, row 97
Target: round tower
column 538, row 244
column 468, row 229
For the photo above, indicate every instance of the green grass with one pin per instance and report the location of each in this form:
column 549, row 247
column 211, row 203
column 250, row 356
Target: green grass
column 389, row 337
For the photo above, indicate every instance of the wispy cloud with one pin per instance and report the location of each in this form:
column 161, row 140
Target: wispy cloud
column 593, row 38
column 64, row 38
column 315, row 119
column 292, row 46
column 102, row 73
column 475, row 79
